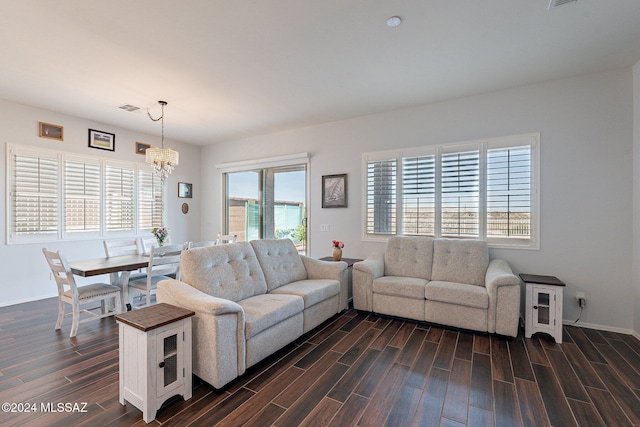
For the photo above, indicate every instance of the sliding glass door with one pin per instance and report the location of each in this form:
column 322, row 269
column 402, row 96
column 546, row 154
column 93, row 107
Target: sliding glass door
column 268, row 203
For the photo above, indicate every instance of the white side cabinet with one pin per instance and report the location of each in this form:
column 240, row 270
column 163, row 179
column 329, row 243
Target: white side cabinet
column 155, row 356
column 543, row 311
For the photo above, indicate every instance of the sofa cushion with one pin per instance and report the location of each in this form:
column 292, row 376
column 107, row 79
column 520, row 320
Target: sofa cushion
column 409, row 256
column 457, row 293
column 407, row 287
column 312, row 291
column 461, row 261
column 264, row 311
column 224, row 271
column 280, row 262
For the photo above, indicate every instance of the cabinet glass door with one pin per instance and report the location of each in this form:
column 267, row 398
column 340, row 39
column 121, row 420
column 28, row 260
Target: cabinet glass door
column 543, row 307
column 170, row 354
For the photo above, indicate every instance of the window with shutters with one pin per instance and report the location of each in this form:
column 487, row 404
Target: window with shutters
column 81, row 196
column 149, row 200
column 34, row 206
column 381, row 196
column 482, row 189
column 119, row 198
column 61, row 196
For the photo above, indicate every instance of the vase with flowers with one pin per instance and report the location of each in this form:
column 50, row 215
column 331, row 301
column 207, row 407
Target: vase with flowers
column 337, row 249
column 161, row 234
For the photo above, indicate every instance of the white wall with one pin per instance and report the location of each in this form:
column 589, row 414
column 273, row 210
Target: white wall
column 636, row 198
column 586, row 126
column 25, row 274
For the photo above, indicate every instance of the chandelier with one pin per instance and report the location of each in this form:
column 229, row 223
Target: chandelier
column 162, row 159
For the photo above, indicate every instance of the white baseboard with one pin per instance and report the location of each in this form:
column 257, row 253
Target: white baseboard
column 601, row 327
column 21, row 301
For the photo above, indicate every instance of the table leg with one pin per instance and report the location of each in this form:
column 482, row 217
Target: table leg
column 122, row 281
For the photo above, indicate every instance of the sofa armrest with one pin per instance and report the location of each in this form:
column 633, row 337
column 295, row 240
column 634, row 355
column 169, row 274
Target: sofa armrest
column 318, row 269
column 219, row 351
column 503, row 288
column 179, row 293
column 364, row 273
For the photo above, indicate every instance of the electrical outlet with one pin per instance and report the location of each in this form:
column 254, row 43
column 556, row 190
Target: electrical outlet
column 324, row 227
column 581, row 298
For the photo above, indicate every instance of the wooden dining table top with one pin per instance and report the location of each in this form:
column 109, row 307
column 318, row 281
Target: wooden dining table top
column 106, row 265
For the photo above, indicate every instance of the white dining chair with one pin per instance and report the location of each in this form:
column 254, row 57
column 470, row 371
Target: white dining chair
column 226, row 238
column 76, row 296
column 122, row 247
column 164, row 263
column 204, row 243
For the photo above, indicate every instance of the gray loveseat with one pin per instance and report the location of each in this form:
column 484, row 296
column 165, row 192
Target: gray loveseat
column 445, row 281
column 251, row 299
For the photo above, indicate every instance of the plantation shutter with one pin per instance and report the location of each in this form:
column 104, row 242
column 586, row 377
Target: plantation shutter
column 418, row 195
column 509, row 192
column 119, row 198
column 34, row 194
column 149, row 200
column 460, row 193
column 381, row 196
column 81, row 196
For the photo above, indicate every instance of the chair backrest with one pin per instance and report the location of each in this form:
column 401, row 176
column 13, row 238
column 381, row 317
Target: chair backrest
column 164, row 260
column 122, row 247
column 226, row 238
column 61, row 272
column 146, row 243
column 205, row 243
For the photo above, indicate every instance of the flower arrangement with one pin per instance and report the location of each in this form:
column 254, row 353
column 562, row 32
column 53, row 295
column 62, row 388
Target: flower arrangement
column 161, row 234
column 337, row 249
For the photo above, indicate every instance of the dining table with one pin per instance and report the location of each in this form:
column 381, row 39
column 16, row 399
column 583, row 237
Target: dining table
column 118, row 268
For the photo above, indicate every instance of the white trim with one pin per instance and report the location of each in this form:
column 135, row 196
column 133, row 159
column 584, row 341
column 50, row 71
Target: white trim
column 600, row 327
column 269, row 162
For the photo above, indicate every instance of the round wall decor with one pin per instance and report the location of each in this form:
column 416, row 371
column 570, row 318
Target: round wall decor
column 185, row 208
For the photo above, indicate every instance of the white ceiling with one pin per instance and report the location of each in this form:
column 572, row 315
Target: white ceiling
column 235, row 68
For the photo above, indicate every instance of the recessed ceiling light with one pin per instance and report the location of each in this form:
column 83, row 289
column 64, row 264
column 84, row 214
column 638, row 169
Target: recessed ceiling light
column 394, row 21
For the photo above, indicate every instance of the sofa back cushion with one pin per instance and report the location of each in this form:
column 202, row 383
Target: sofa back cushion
column 460, row 260
column 280, row 262
column 409, row 256
column 225, row 271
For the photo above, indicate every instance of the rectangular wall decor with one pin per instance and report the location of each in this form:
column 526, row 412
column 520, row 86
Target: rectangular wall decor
column 102, row 140
column 185, row 190
column 47, row 130
column 141, row 148
column 334, row 191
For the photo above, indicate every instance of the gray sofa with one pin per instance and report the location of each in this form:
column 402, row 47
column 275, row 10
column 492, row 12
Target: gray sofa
column 445, row 281
column 251, row 299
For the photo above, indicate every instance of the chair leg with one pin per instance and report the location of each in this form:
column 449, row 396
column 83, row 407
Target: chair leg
column 60, row 314
column 148, row 297
column 119, row 308
column 103, row 307
column 75, row 320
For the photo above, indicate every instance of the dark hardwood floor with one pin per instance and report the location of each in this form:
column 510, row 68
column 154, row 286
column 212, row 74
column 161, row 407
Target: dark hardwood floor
column 357, row 369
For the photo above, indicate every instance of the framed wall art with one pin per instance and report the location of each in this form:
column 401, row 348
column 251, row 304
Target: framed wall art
column 334, row 191
column 185, row 190
column 47, row 130
column 141, row 148
column 102, row 140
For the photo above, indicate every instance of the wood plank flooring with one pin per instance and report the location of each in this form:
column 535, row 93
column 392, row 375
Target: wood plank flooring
column 357, row 369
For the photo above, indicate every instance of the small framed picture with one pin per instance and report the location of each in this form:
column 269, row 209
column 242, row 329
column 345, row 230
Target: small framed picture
column 47, row 130
column 185, row 190
column 334, row 191
column 102, row 140
column 141, row 148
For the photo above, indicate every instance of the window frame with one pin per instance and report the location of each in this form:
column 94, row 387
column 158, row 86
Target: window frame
column 483, row 146
column 62, row 233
